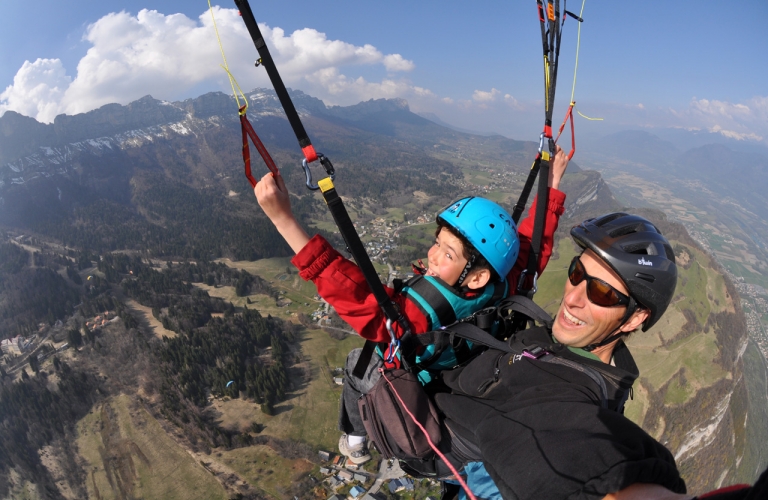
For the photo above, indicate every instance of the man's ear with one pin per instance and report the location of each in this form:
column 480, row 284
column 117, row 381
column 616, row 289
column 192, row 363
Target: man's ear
column 634, row 321
column 477, row 279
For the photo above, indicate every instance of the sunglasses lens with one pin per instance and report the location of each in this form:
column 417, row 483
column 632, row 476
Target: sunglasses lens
column 598, row 291
column 576, row 272
column 601, row 293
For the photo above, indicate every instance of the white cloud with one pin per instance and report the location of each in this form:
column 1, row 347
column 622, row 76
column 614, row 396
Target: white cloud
column 37, row 89
column 509, row 99
column 741, row 121
column 483, row 96
column 168, row 55
column 395, row 62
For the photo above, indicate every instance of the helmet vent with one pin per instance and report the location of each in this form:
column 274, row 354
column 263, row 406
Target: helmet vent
column 647, row 277
column 492, row 226
column 625, row 230
column 609, row 218
column 482, row 241
column 670, row 253
column 640, row 249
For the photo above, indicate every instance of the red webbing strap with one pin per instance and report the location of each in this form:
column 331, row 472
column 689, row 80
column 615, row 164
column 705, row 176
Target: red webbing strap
column 426, row 435
column 277, row 82
column 568, row 116
column 248, row 131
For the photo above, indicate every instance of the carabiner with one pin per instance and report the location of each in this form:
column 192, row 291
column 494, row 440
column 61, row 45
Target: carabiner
column 327, row 165
column 521, row 282
column 393, row 342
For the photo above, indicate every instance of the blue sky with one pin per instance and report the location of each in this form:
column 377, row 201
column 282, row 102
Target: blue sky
column 689, row 64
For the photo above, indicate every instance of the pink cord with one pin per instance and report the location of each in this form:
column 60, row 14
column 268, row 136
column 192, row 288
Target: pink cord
column 431, row 444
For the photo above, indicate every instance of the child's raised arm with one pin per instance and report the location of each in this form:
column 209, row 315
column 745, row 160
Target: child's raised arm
column 558, row 168
column 273, row 198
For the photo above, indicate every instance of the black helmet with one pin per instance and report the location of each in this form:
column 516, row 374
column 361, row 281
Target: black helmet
column 639, row 254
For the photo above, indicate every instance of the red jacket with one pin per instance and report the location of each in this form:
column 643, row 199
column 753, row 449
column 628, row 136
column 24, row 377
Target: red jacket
column 341, row 283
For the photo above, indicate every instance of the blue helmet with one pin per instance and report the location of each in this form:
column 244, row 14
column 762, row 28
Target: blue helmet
column 488, row 227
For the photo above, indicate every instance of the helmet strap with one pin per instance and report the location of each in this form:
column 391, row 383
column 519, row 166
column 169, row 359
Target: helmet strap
column 470, row 263
column 631, row 308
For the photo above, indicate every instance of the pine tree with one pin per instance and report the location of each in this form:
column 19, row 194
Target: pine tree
column 34, row 363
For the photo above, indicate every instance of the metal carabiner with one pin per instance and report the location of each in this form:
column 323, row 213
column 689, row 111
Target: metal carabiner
column 520, row 283
column 393, row 342
column 327, row 165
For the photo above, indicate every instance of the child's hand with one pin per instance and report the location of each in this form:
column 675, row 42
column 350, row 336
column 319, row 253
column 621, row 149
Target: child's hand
column 557, row 169
column 272, row 196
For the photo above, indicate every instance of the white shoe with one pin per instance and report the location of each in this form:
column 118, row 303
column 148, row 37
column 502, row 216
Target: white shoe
column 357, row 454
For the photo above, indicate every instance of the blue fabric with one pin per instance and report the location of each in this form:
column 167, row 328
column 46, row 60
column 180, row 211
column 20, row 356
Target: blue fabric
column 480, row 483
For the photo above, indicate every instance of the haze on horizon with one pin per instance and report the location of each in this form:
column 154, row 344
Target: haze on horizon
column 641, row 65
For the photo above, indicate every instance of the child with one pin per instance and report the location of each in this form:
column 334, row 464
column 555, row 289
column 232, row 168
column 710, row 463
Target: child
column 453, row 262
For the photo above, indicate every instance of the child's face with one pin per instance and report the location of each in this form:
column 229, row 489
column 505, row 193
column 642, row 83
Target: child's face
column 446, row 259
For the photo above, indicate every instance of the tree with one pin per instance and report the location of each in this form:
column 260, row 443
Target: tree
column 34, row 363
column 75, row 337
column 267, row 408
column 24, row 374
column 56, row 363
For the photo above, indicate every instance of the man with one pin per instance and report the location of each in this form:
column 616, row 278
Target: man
column 547, row 420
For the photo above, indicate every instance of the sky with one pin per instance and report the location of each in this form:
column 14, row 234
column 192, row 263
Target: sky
column 477, row 65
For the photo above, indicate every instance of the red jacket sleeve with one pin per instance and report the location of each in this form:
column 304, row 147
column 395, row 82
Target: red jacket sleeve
column 342, row 284
column 555, row 209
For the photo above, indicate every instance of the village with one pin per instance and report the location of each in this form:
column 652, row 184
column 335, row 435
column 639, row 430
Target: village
column 19, row 353
column 348, row 481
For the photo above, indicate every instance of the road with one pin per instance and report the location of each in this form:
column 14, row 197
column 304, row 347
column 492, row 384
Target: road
column 389, row 469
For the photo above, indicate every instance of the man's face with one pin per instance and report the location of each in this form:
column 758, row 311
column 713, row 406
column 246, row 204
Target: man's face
column 446, row 257
column 579, row 322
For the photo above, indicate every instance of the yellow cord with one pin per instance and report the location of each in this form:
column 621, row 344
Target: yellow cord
column 576, row 66
column 232, row 80
column 588, row 118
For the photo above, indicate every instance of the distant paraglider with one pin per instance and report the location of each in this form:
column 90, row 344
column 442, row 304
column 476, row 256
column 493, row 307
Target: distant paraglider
column 230, row 383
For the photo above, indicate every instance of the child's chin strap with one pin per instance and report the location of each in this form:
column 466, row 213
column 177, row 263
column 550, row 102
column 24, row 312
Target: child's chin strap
column 465, row 272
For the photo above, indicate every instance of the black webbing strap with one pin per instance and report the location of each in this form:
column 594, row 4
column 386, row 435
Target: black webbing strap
column 277, row 82
column 466, row 331
column 356, row 248
column 435, row 299
column 527, row 307
column 340, row 215
column 549, row 20
column 474, row 328
column 527, row 283
column 523, row 200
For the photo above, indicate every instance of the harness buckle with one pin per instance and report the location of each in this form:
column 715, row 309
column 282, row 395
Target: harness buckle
column 535, row 353
column 327, row 165
column 521, row 283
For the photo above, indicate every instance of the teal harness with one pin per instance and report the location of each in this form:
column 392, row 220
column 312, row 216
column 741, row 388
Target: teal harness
column 443, row 305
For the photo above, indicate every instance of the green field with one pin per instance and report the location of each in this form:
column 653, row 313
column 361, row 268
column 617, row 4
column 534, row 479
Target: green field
column 692, row 285
column 309, row 413
column 264, row 469
column 129, row 455
column 552, row 280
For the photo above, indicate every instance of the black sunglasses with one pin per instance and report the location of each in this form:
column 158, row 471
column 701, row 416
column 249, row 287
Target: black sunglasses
column 598, row 291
